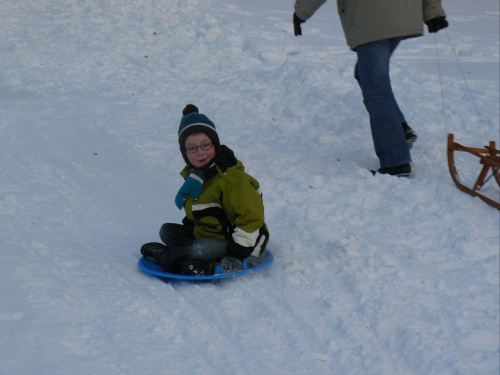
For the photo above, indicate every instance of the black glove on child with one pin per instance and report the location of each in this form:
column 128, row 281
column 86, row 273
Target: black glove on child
column 296, row 25
column 436, row 24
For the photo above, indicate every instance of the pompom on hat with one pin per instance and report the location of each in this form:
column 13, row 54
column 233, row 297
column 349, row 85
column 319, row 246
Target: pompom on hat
column 194, row 122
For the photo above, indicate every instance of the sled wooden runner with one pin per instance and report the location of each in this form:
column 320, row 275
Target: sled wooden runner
column 488, row 156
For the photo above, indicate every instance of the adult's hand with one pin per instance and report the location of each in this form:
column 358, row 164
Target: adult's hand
column 436, row 24
column 296, row 25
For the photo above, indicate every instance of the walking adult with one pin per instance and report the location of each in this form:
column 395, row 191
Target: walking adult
column 373, row 29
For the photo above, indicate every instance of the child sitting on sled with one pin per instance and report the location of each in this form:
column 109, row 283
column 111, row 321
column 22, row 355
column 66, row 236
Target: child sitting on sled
column 224, row 208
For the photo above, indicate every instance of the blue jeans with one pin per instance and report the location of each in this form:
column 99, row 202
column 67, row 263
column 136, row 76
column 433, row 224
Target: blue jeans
column 372, row 74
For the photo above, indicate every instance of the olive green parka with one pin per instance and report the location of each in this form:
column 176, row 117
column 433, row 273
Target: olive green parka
column 229, row 207
column 366, row 21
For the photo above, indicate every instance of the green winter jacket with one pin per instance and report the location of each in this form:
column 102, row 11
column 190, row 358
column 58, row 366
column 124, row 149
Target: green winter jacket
column 366, row 21
column 229, row 207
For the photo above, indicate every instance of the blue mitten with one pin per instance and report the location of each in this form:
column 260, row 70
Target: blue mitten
column 192, row 186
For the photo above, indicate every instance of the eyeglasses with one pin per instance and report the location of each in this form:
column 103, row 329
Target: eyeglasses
column 204, row 147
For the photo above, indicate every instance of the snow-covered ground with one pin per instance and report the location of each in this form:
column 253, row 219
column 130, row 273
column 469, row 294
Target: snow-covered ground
column 372, row 275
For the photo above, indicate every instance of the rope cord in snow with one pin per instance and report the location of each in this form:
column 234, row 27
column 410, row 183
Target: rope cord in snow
column 481, row 121
column 441, row 84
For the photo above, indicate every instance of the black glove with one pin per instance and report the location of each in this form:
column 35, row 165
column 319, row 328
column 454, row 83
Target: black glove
column 436, row 24
column 296, row 25
column 188, row 223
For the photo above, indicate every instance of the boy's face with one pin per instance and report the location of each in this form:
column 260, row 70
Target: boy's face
column 200, row 157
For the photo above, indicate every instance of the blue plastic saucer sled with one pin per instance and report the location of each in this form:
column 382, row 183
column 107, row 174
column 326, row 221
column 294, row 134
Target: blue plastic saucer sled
column 249, row 265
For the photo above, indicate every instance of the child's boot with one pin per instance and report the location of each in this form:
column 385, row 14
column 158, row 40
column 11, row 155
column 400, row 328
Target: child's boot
column 152, row 251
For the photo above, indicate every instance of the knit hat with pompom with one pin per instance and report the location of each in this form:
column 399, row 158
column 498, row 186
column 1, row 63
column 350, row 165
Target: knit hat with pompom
column 194, row 122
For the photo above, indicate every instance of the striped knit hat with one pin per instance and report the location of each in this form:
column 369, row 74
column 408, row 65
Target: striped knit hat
column 194, row 122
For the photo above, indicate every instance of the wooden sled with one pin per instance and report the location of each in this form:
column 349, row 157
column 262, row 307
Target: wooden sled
column 490, row 159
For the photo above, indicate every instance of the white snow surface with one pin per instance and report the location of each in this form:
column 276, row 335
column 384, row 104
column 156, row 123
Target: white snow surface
column 372, row 275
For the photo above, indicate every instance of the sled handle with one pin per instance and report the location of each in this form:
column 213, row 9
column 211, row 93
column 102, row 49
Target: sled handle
column 491, row 160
